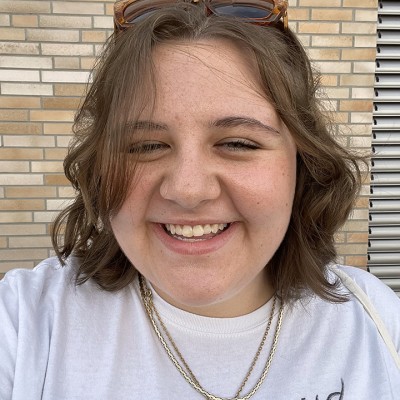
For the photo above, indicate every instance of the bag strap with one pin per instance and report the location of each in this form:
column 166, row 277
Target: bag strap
column 368, row 306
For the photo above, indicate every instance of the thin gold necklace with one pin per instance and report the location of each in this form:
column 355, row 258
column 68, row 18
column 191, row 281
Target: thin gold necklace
column 188, row 375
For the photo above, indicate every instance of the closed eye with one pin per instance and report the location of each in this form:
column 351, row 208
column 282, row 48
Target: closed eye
column 146, row 147
column 238, row 145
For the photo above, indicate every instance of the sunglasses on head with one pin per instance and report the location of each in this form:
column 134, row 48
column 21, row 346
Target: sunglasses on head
column 259, row 12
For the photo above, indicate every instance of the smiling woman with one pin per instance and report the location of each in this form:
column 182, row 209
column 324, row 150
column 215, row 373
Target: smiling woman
column 209, row 190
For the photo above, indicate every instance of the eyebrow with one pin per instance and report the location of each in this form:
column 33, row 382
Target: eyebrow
column 235, row 121
column 146, row 126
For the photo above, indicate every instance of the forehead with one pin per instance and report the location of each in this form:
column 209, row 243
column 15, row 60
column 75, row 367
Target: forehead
column 206, row 74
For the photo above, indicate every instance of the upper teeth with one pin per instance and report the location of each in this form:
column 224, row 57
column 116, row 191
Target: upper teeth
column 196, row 230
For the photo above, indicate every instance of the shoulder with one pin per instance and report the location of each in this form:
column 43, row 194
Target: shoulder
column 47, row 276
column 383, row 299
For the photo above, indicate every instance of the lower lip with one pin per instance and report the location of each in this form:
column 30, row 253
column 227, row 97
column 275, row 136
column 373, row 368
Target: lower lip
column 197, row 247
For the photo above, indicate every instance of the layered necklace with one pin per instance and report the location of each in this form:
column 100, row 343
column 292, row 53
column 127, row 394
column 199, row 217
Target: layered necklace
column 180, row 363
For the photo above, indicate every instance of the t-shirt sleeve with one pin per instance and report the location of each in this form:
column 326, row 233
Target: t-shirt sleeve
column 9, row 316
column 385, row 301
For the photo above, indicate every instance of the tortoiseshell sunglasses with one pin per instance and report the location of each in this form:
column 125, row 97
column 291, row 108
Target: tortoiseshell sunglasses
column 259, row 12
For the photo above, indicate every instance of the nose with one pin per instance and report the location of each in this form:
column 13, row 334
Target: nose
column 189, row 182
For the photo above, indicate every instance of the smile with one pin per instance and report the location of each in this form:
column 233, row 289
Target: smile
column 183, row 232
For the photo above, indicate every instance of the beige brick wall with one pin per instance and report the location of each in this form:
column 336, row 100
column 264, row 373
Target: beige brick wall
column 46, row 51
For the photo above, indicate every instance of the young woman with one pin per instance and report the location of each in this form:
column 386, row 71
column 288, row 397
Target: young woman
column 197, row 257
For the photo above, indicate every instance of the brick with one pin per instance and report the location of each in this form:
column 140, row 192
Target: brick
column 352, row 248
column 29, row 7
column 55, row 154
column 58, row 21
column 63, row 141
column 355, row 105
column 364, row 67
column 329, row 80
column 71, row 89
column 366, row 15
column 13, row 115
column 63, row 49
column 332, row 67
column 361, row 118
column 25, row 21
column 359, row 54
column 52, row 35
column 21, row 179
column 366, row 41
column 14, row 75
column 1, row 193
column 12, row 34
column 3, row 242
column 29, row 242
column 88, row 63
column 315, row 27
column 331, row 15
column 19, row 102
column 66, row 191
column 14, row 166
column 13, row 128
column 64, row 7
column 357, row 80
column 324, row 54
column 51, row 115
column 338, row 93
column 22, row 229
column 360, row 3
column 30, row 192
column 362, row 202
column 94, row 36
column 8, row 266
column 359, row 28
column 356, row 261
column 4, row 20
column 56, row 179
column 65, row 76
column 25, row 62
column 22, row 254
column 29, row 141
column 57, row 204
column 110, row 10
column 47, row 166
column 44, row 216
column 66, row 62
column 103, row 22
column 15, row 217
column 363, row 93
column 27, row 89
column 70, row 103
column 319, row 3
column 57, row 129
column 360, row 142
column 332, row 41
column 22, row 205
column 21, row 154
column 296, row 14
column 18, row 48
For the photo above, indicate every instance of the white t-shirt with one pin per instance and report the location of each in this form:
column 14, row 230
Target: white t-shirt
column 62, row 342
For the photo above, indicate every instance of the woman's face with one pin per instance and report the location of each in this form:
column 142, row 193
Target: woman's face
column 213, row 194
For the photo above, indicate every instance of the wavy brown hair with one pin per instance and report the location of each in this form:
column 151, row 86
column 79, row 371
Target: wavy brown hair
column 328, row 176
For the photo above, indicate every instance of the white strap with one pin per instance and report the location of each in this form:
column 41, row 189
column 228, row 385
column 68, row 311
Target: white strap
column 364, row 300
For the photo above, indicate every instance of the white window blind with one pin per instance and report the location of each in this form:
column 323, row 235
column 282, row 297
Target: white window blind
column 384, row 215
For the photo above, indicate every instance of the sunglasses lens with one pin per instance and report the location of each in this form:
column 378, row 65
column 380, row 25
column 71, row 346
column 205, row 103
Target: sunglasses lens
column 132, row 15
column 243, row 10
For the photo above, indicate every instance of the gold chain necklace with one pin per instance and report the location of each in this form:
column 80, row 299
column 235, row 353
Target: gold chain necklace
column 185, row 371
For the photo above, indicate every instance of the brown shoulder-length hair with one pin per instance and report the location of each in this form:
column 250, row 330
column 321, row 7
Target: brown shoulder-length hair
column 101, row 170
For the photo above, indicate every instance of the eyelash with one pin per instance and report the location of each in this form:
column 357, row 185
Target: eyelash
column 240, row 145
column 233, row 145
column 142, row 148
